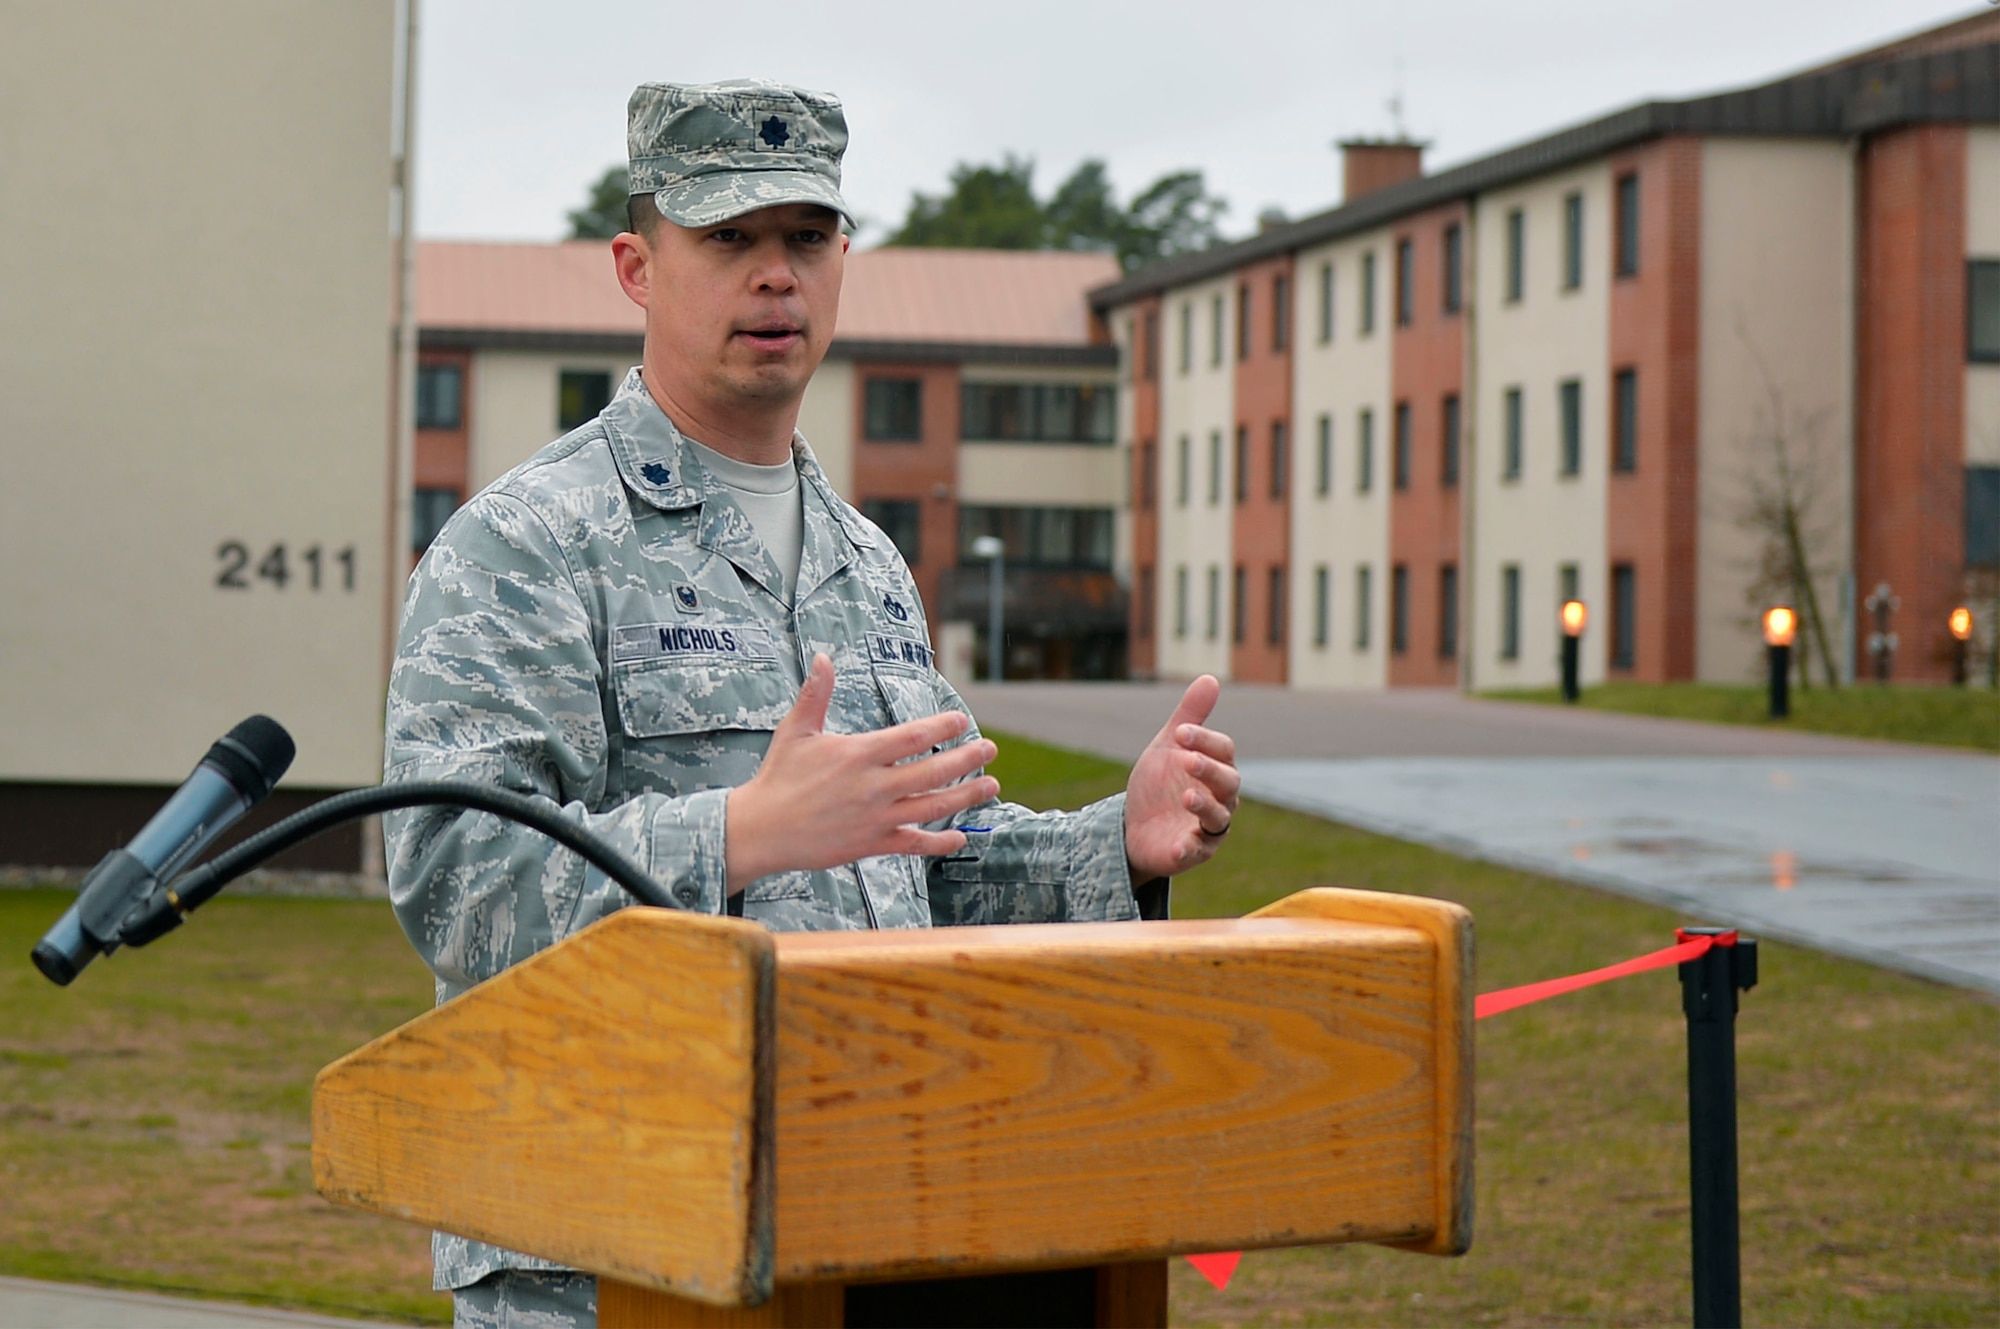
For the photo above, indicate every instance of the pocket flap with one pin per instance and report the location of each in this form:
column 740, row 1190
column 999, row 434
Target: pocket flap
column 662, row 701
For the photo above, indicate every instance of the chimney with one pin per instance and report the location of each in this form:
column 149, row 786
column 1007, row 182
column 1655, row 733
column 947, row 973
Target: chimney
column 1369, row 164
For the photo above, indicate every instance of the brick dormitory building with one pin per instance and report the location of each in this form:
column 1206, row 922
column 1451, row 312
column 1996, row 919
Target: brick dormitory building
column 1379, row 445
column 966, row 393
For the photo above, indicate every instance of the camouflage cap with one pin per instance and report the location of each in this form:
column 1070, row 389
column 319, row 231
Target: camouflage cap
column 707, row 152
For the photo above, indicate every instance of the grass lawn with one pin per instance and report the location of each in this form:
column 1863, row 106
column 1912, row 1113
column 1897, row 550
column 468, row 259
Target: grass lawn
column 1948, row 717
column 153, row 1119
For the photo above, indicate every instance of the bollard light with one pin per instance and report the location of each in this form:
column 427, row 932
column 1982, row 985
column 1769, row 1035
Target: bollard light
column 1961, row 637
column 1574, row 616
column 1781, row 625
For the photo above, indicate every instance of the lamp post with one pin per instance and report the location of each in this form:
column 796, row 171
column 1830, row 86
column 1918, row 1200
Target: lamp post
column 994, row 551
column 1781, row 625
column 1574, row 615
column 1961, row 635
column 1882, row 603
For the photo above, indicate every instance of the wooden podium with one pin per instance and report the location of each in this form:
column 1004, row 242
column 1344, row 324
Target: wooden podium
column 735, row 1127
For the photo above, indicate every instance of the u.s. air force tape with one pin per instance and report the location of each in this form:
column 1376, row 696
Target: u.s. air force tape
column 691, row 641
column 885, row 649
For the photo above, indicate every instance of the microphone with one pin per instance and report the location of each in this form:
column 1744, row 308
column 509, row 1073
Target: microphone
column 234, row 776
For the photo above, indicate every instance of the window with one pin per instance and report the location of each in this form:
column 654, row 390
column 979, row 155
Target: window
column 1406, row 282
column 1982, row 309
column 1449, row 461
column 1214, row 467
column 440, row 397
column 1150, row 351
column 1275, row 619
column 1323, row 472
column 581, row 394
column 1279, row 461
column 1569, row 584
column 1624, row 615
column 1399, row 474
column 430, row 509
column 1625, row 421
column 1363, row 591
column 1982, row 516
column 1243, row 321
column 1281, row 313
column 1180, row 601
column 1242, row 463
column 1240, row 604
column 1187, row 336
column 1510, row 611
column 1572, row 242
column 1215, row 331
column 1364, row 452
column 1145, row 604
column 1326, row 302
column 1368, row 293
column 1322, row 603
column 1510, row 435
column 1075, row 539
column 1149, row 476
column 1448, row 612
column 1182, row 466
column 1627, row 256
column 902, row 521
column 893, row 410
column 1214, row 600
column 1454, row 269
column 1517, row 244
column 1570, row 396
column 1039, row 412
column 1399, row 609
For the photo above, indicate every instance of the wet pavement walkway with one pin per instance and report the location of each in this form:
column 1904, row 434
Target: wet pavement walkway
column 1881, row 851
column 27, row 1303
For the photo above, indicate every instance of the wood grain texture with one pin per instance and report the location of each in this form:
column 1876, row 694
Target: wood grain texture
column 1132, row 1296
column 1449, row 927
column 793, row 1306
column 988, row 1098
column 606, row 1104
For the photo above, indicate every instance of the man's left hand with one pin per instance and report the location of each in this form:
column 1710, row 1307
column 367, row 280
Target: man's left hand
column 1182, row 794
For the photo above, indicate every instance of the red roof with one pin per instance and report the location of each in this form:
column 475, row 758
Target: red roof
column 979, row 296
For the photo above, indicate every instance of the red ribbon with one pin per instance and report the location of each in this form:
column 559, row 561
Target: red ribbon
column 1219, row 1268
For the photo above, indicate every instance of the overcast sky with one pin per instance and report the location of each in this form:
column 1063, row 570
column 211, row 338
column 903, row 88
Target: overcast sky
column 521, row 103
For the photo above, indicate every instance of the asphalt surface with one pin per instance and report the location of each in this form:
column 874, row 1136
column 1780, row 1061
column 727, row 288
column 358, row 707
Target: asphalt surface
column 1884, row 852
column 29, row 1304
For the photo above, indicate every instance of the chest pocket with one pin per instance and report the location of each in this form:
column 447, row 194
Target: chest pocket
column 667, row 700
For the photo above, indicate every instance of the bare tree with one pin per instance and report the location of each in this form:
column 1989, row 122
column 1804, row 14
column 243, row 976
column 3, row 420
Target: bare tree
column 1785, row 503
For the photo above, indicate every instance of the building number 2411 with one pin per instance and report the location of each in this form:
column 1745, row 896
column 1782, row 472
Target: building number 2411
column 276, row 568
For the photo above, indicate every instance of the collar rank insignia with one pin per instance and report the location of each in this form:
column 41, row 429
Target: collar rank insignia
column 773, row 132
column 685, row 598
column 657, row 473
column 896, row 609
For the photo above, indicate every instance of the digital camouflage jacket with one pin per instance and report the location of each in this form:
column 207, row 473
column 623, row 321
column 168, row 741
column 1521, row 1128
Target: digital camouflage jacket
column 602, row 628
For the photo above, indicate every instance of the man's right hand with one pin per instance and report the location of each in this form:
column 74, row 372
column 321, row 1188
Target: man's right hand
column 820, row 799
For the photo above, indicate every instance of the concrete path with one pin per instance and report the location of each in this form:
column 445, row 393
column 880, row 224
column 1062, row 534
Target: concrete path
column 1885, row 852
column 29, row 1304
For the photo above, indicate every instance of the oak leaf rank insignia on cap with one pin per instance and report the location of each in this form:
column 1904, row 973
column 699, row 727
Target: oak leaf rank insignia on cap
column 707, row 152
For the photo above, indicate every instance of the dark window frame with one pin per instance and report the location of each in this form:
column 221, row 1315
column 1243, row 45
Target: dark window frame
column 1624, row 643
column 1406, row 281
column 431, row 507
column 1274, row 617
column 1245, row 312
column 1452, row 425
column 1454, row 268
column 1281, row 314
column 1322, row 605
column 1448, row 611
column 1400, row 447
column 1512, row 429
column 1241, row 460
column 888, row 425
column 1323, row 478
column 1569, row 416
column 1239, row 607
column 1280, row 458
column 1625, row 421
column 427, row 400
column 1368, row 294
column 1572, row 270
column 1399, row 609
column 1027, row 411
column 899, row 518
column 1517, row 254
column 1180, row 602
column 1625, row 225
column 593, row 389
column 1510, row 611
column 1364, row 606
column 1982, row 278
column 1326, row 306
column 1364, row 451
column 1150, row 346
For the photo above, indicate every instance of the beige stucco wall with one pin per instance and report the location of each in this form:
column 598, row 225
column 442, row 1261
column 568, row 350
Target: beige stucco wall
column 1344, row 529
column 514, row 408
column 1777, row 255
column 1061, row 475
column 1199, row 404
column 194, row 350
column 1982, row 240
column 1543, row 519
column 826, row 418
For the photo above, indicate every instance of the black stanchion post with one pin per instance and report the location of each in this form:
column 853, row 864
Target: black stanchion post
column 1708, row 996
column 1573, row 617
column 1780, row 625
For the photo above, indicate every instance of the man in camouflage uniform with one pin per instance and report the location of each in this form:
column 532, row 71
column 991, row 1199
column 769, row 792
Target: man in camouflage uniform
column 698, row 650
